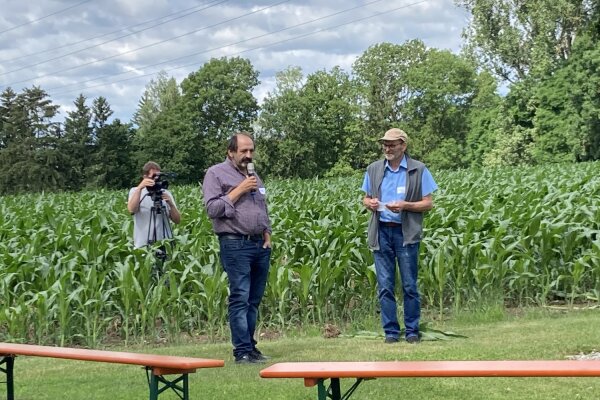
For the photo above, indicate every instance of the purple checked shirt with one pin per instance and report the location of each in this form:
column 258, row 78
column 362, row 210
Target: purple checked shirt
column 248, row 216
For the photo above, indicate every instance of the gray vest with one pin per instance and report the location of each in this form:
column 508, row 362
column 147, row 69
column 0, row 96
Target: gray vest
column 412, row 222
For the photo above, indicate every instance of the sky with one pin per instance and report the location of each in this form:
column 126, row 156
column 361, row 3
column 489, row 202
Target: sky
column 114, row 48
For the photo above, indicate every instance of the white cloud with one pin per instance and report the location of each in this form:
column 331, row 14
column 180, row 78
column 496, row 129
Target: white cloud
column 200, row 30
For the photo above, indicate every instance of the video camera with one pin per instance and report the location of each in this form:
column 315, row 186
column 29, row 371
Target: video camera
column 160, row 185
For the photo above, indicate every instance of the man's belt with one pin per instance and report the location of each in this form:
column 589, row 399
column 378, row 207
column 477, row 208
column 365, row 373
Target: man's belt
column 390, row 224
column 238, row 236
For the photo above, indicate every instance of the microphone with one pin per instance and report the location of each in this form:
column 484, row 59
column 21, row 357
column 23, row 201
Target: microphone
column 251, row 172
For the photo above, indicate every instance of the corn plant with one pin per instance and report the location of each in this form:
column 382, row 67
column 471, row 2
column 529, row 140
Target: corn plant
column 69, row 273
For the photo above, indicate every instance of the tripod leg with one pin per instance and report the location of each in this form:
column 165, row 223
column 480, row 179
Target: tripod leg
column 166, row 225
column 151, row 237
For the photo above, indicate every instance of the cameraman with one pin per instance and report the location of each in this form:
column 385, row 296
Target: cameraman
column 140, row 205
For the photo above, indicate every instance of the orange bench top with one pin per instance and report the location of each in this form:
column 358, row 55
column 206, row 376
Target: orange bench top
column 147, row 360
column 383, row 369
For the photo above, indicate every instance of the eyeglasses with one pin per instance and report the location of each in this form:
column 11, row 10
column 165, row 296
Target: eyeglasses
column 391, row 145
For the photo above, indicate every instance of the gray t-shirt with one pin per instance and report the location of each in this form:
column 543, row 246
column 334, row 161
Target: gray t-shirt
column 148, row 226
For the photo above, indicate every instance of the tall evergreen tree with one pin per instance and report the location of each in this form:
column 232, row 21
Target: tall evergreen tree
column 114, row 166
column 101, row 112
column 30, row 160
column 112, row 149
column 77, row 144
column 7, row 107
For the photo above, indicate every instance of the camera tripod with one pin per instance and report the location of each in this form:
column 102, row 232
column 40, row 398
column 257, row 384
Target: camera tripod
column 158, row 215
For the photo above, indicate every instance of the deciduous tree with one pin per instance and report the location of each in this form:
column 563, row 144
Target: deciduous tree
column 515, row 38
column 217, row 102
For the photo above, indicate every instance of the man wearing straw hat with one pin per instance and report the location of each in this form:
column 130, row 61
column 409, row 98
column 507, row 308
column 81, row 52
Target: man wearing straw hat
column 398, row 190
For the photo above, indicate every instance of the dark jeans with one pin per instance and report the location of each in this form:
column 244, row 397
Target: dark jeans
column 247, row 266
column 391, row 248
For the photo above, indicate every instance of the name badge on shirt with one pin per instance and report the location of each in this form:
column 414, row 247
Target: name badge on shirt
column 400, row 189
column 262, row 190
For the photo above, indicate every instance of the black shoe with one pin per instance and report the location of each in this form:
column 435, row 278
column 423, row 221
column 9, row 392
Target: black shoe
column 413, row 339
column 247, row 359
column 391, row 339
column 257, row 355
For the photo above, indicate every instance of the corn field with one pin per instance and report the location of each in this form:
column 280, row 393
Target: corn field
column 69, row 274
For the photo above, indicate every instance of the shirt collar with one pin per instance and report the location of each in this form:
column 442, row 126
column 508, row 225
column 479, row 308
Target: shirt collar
column 403, row 164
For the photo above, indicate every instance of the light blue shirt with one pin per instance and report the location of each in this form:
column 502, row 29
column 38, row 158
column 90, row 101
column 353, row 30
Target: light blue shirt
column 393, row 188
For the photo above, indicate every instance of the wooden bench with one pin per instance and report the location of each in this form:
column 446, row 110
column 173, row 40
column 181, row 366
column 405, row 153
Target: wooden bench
column 157, row 366
column 316, row 373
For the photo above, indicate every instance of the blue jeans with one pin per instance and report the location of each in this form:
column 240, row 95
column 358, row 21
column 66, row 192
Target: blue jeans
column 247, row 266
column 391, row 248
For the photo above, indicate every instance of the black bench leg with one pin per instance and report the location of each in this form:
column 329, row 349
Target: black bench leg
column 153, row 387
column 183, row 392
column 9, row 361
column 322, row 391
column 186, row 388
column 333, row 392
column 336, row 392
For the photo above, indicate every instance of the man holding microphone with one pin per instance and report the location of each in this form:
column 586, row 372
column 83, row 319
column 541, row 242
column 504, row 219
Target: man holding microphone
column 234, row 197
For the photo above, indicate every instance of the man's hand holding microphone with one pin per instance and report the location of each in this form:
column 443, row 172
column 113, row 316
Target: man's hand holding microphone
column 250, row 184
column 252, row 174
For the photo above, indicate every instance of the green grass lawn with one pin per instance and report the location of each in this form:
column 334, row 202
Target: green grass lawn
column 532, row 334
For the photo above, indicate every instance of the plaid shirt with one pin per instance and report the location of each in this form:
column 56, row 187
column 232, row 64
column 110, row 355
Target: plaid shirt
column 247, row 216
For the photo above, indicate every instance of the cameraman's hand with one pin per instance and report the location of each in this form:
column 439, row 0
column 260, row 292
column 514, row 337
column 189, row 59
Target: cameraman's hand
column 168, row 199
column 133, row 204
column 145, row 183
column 173, row 211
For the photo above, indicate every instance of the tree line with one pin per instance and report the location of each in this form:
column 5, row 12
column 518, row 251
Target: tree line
column 523, row 91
